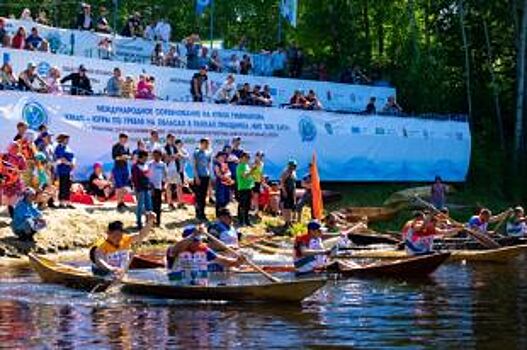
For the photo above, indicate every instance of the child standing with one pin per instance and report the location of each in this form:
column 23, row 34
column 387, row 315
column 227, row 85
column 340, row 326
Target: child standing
column 157, row 171
column 141, row 182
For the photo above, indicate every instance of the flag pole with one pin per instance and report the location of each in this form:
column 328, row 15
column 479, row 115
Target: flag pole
column 211, row 22
column 279, row 34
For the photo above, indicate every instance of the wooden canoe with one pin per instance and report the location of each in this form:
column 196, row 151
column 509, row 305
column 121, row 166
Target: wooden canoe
column 56, row 273
column 294, row 291
column 408, row 268
column 146, row 262
column 374, row 214
column 364, row 239
column 490, row 255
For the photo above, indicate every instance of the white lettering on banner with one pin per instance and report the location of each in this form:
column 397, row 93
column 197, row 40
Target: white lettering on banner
column 174, row 83
column 349, row 147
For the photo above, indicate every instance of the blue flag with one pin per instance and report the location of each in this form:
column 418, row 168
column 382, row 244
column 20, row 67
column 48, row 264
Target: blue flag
column 288, row 9
column 201, row 5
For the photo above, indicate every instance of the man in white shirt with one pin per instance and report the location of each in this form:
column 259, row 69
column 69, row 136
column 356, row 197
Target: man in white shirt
column 163, row 30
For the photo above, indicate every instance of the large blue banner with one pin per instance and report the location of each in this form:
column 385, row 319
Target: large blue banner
column 349, row 147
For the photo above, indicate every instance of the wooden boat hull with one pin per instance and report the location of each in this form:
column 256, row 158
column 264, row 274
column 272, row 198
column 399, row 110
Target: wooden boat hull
column 491, row 255
column 408, row 268
column 294, row 291
column 146, row 262
column 364, row 239
column 56, row 273
column 374, row 214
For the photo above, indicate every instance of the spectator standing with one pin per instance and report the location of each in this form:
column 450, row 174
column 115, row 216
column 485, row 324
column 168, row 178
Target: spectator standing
column 312, row 101
column 392, row 107
column 196, row 84
column 154, row 143
column 65, row 160
column 53, row 81
column 370, row 107
column 192, row 51
column 42, row 18
column 226, row 91
column 257, row 171
column 85, row 19
column 120, row 173
column 133, row 26
column 33, row 40
column 158, row 57
column 7, row 78
column 19, row 39
column 288, row 191
column 173, row 177
column 150, row 33
column 438, row 193
column 114, row 86
column 103, row 25
column 245, row 65
column 28, row 77
column 223, row 181
column 157, row 171
column 141, row 146
column 215, row 64
column 234, row 64
column 182, row 157
column 203, row 59
column 26, row 15
column 141, row 182
column 21, row 129
column 128, row 88
column 163, row 30
column 80, row 83
column 202, row 171
column 245, row 184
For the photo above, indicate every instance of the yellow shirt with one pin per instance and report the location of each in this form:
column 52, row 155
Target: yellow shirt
column 116, row 255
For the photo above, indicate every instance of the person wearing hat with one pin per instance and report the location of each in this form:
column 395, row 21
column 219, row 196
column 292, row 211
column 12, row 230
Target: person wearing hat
column 111, row 256
column 196, row 84
column 310, row 254
column 28, row 77
column 223, row 183
column 516, row 226
column 27, row 219
column 202, row 172
column 188, row 260
column 288, row 191
column 80, row 83
column 65, row 161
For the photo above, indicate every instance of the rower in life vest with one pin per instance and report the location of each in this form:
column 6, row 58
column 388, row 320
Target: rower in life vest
column 188, row 261
column 112, row 256
column 480, row 222
column 516, row 226
column 309, row 251
column 419, row 234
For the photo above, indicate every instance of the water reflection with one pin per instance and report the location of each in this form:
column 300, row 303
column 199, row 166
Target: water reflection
column 464, row 306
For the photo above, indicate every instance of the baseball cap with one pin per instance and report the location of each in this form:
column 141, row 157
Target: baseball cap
column 314, row 225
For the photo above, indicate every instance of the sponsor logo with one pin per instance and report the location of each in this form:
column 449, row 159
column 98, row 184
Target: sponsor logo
column 34, row 114
column 307, row 129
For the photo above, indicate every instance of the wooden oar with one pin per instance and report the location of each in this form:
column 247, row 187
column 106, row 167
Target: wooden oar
column 235, row 253
column 486, row 241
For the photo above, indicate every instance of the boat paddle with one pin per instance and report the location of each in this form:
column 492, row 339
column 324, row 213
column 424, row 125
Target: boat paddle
column 486, row 241
column 238, row 255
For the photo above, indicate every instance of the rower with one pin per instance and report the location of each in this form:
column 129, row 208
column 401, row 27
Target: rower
column 336, row 235
column 309, row 251
column 419, row 234
column 481, row 221
column 516, row 226
column 223, row 230
column 188, row 260
column 112, row 256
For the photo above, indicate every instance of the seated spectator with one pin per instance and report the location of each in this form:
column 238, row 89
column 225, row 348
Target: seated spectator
column 150, row 33
column 391, row 106
column 27, row 219
column 245, row 65
column 215, row 64
column 133, row 26
column 80, row 83
column 298, row 101
column 105, row 49
column 84, row 19
column 42, row 18
column 226, row 91
column 115, row 84
column 53, row 81
column 312, row 101
column 103, row 26
column 99, row 185
column 145, row 88
column 26, row 15
column 265, row 97
column 158, row 57
column 44, row 46
column 234, row 64
column 128, row 88
column 19, row 39
column 5, row 39
column 163, row 30
column 256, row 96
column 243, row 96
column 7, row 78
column 370, row 107
column 33, row 40
column 203, row 58
column 28, row 77
column 172, row 57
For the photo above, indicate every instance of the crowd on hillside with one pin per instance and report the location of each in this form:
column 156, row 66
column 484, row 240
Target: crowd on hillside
column 36, row 174
column 190, row 52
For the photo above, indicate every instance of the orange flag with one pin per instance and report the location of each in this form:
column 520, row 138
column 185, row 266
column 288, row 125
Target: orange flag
column 316, row 191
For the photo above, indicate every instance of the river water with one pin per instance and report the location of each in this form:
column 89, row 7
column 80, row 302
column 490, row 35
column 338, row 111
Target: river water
column 461, row 306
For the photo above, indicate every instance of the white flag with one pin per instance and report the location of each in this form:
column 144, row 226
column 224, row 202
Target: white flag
column 288, row 9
